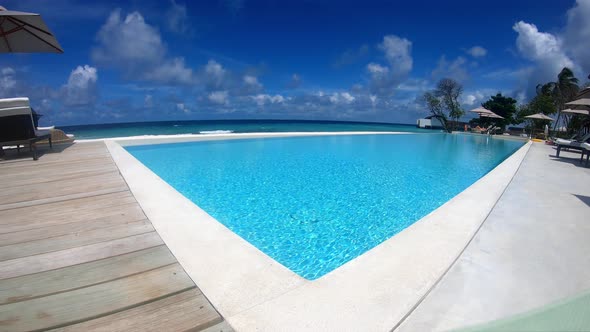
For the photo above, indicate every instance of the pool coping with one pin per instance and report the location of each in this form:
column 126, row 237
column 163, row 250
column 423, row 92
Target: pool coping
column 375, row 291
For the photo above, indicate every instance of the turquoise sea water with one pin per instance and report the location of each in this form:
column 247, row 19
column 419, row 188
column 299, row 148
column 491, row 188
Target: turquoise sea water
column 237, row 126
column 315, row 203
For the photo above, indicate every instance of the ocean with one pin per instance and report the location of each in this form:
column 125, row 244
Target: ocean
column 226, row 126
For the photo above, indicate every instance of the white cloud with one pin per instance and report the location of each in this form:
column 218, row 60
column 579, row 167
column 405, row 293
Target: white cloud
column 218, row 97
column 177, row 18
column 183, row 108
column 342, row 97
column 7, row 80
column 129, row 40
column 251, row 84
column 136, row 48
column 262, row 99
column 81, row 86
column 474, row 98
column 8, row 71
column 577, row 34
column 454, row 69
column 215, row 76
column 546, row 52
column 148, row 101
column 215, row 70
column 541, row 47
column 171, row 71
column 477, row 51
column 373, row 99
column 251, row 80
column 397, row 51
column 470, row 99
column 377, row 69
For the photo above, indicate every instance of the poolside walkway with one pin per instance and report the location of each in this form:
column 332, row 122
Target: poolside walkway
column 77, row 252
column 532, row 250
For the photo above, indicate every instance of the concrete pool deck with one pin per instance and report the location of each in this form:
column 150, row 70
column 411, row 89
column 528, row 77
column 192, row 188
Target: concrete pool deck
column 253, row 292
column 532, row 250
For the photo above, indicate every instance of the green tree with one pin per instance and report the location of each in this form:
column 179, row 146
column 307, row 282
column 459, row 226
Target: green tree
column 543, row 102
column 443, row 102
column 503, row 106
column 563, row 90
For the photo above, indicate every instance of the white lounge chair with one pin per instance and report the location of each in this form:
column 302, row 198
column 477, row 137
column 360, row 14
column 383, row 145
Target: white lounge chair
column 571, row 144
column 17, row 126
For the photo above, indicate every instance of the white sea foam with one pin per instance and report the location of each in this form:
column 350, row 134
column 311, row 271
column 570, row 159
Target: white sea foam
column 215, row 132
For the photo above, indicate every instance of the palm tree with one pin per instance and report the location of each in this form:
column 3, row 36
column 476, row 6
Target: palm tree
column 564, row 90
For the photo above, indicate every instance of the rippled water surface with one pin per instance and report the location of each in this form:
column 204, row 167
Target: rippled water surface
column 315, row 203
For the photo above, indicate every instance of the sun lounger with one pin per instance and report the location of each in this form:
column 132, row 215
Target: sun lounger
column 570, row 144
column 17, row 126
column 585, row 150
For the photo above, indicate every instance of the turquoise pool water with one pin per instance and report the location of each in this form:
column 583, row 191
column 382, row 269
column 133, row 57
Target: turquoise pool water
column 315, row 203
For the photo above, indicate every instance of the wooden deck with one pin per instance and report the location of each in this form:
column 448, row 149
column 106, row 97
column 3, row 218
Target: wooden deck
column 77, row 252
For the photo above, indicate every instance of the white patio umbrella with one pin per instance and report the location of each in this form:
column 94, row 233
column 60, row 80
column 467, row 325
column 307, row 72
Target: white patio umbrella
column 576, row 111
column 492, row 115
column 538, row 116
column 580, row 102
column 22, row 32
column 485, row 113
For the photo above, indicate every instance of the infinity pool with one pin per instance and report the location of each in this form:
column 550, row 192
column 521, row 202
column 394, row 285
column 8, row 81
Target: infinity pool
column 315, row 203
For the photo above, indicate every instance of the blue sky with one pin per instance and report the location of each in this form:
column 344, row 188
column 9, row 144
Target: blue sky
column 241, row 59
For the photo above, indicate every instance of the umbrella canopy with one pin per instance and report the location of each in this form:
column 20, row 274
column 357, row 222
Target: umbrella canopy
column 580, row 102
column 22, row 32
column 539, row 116
column 491, row 115
column 480, row 111
column 580, row 111
column 485, row 113
column 585, row 93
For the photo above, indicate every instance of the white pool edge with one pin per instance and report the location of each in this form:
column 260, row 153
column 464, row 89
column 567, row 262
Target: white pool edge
column 252, row 291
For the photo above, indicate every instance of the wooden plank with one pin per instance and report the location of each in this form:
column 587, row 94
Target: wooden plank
column 48, row 228
column 49, row 157
column 187, row 311
column 59, row 164
column 43, row 162
column 22, row 179
column 98, row 300
column 87, row 206
column 35, row 192
column 64, row 166
column 73, row 240
column 71, row 255
column 64, row 197
column 83, row 275
column 117, row 214
column 59, row 259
